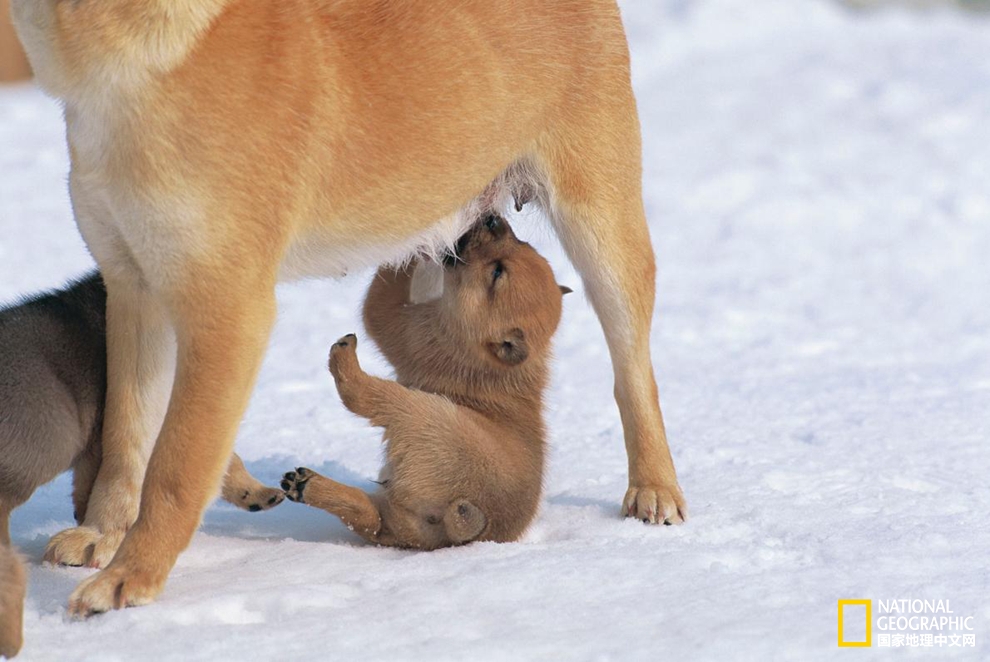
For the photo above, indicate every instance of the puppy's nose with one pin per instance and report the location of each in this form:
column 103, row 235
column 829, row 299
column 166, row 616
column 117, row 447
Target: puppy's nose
column 455, row 256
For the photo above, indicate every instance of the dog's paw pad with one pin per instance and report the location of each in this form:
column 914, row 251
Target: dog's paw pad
column 350, row 340
column 294, row 483
column 262, row 498
column 343, row 361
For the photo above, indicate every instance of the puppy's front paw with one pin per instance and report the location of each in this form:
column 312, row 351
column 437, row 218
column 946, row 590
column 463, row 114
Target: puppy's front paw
column 83, row 545
column 294, row 483
column 343, row 362
column 655, row 504
column 260, row 498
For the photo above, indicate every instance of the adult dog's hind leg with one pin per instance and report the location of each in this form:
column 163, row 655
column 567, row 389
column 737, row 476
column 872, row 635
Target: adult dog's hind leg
column 592, row 164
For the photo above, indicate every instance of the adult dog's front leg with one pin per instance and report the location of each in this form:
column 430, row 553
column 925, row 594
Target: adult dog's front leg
column 140, row 367
column 222, row 329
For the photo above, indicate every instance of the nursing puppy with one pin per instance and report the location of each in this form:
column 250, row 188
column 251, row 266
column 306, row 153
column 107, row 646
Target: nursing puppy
column 52, row 392
column 463, row 423
column 219, row 146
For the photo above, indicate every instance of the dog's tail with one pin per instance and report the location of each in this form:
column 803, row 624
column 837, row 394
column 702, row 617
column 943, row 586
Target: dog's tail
column 13, row 585
column 464, row 521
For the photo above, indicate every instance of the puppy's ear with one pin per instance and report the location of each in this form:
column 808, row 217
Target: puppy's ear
column 564, row 289
column 511, row 349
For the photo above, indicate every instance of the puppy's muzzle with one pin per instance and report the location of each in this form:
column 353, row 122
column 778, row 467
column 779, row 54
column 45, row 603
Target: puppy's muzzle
column 489, row 229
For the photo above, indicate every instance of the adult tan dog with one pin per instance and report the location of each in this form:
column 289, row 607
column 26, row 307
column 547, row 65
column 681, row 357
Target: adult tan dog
column 220, row 145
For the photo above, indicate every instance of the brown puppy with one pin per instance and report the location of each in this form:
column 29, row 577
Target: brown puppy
column 218, row 146
column 463, row 422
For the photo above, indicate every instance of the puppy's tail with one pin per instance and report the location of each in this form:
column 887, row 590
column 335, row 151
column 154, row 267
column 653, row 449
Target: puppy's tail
column 13, row 586
column 464, row 521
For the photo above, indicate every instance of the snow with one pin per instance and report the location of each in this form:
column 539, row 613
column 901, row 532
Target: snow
column 817, row 187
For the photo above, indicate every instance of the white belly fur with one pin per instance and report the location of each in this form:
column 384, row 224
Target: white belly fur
column 324, row 255
column 319, row 256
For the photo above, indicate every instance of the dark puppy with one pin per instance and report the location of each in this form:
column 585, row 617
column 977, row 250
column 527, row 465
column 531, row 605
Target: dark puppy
column 52, row 389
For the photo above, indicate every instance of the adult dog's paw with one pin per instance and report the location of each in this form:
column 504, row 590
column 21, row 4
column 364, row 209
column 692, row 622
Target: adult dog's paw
column 83, row 546
column 294, row 483
column 119, row 585
column 655, row 504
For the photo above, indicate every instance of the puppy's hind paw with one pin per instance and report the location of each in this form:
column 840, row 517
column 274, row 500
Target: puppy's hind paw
column 294, row 483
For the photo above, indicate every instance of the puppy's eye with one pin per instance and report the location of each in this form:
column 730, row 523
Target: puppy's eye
column 497, row 271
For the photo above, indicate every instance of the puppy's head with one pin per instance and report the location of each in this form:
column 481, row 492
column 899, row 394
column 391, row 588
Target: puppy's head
column 500, row 296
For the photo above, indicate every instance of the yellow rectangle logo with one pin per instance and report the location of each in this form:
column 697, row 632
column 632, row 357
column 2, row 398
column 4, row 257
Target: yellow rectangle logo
column 869, row 623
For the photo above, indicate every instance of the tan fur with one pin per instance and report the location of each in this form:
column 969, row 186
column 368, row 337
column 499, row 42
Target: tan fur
column 82, row 546
column 13, row 582
column 13, row 63
column 86, row 546
column 245, row 491
column 218, row 145
column 463, row 423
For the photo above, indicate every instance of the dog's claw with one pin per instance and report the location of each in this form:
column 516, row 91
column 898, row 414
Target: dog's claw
column 83, row 546
column 657, row 504
column 114, row 588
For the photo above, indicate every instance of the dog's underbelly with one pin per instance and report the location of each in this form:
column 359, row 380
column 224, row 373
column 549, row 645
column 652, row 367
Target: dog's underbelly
column 327, row 253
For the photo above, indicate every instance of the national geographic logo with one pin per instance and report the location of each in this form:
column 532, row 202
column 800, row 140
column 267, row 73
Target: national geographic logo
column 853, row 623
column 903, row 623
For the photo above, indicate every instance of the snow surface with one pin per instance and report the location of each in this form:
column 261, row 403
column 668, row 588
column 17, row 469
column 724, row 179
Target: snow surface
column 817, row 184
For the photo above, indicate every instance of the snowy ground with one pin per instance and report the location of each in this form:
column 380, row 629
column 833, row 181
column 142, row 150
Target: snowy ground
column 817, row 184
